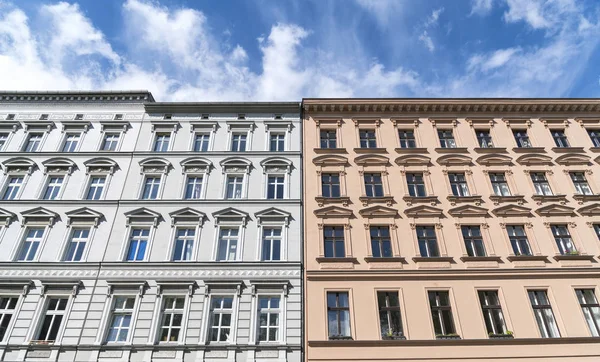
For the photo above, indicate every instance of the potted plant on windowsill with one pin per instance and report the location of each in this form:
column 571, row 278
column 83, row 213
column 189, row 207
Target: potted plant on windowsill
column 507, row 335
column 447, row 336
column 339, row 338
column 393, row 335
column 573, row 252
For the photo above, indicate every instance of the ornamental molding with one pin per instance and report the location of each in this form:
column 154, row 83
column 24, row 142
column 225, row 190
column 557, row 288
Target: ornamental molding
column 231, row 273
column 45, row 273
column 76, row 97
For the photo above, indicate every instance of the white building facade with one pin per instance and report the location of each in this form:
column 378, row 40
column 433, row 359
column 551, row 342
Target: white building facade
column 132, row 230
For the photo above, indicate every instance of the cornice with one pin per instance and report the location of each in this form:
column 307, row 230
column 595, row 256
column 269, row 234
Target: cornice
column 168, row 155
column 133, row 96
column 223, row 107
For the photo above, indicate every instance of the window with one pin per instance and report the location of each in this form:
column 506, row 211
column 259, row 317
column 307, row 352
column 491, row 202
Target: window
column 499, row 184
column 441, row 313
column 589, row 306
column 138, row 242
column 367, row 138
column 563, row 239
column 31, row 243
column 151, row 187
column 271, row 244
column 390, row 322
column 172, row 319
column 328, row 138
column 373, row 185
column 540, row 183
column 518, row 239
column 484, row 138
column 275, row 186
column 427, row 241
column 238, row 142
column 560, row 138
column 221, row 309
column 522, row 138
column 330, row 185
column 381, row 245
column 161, row 142
column 458, row 184
column 76, row 244
column 338, row 315
column 52, row 321
column 193, row 188
column 580, row 182
column 3, row 142
column 597, row 230
column 473, row 240
column 543, row 313
column 446, row 138
column 416, row 185
column 492, row 312
column 268, row 316
column 228, row 242
column 184, row 244
column 201, row 141
column 33, row 142
column 234, row 186
column 333, row 237
column 594, row 136
column 407, row 138
column 53, row 187
column 71, row 142
column 277, row 142
column 11, row 192
column 120, row 322
column 7, row 310
column 96, row 187
column 110, row 142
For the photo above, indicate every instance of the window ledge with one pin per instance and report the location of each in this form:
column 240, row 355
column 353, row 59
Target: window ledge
column 340, row 338
column 562, row 199
column 451, row 150
column 433, row 200
column 432, row 259
column 396, row 259
column 393, row 338
column 329, row 150
column 413, row 150
column 519, row 199
column 527, row 258
column 529, row 150
column 490, row 149
column 501, row 336
column 366, row 200
column 567, row 149
column 370, row 150
column 480, row 258
column 573, row 257
column 344, row 200
column 460, row 199
column 585, row 198
column 323, row 259
column 447, row 337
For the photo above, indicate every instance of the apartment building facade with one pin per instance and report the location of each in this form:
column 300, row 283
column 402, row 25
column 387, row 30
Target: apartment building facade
column 134, row 230
column 458, row 229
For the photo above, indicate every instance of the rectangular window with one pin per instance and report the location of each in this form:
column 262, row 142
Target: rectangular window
column 238, row 142
column 52, row 321
column 328, row 138
column 201, row 141
column 234, row 186
column 338, row 315
column 580, row 182
column 110, row 142
column 390, row 322
column 228, row 242
column 172, row 319
column 275, row 186
column 367, row 138
column 96, row 188
column 31, row 243
column 151, row 187
column 7, row 310
column 3, row 142
column 543, row 313
column 13, row 187
column 407, row 138
column 441, row 313
column 492, row 312
column 271, row 244
column 53, row 187
column 594, row 136
column 427, row 239
column 184, row 244
column 138, row 241
column 484, row 138
column 589, row 306
column 268, row 316
column 333, row 237
column 373, row 185
column 161, row 142
column 560, row 138
column 76, row 245
column 518, row 240
column 540, row 183
column 473, row 240
column 381, row 244
column 416, row 184
column 120, row 319
column 499, row 184
column 522, row 138
column 34, row 140
column 563, row 239
column 446, row 137
column 221, row 310
column 330, row 185
column 71, row 142
column 277, row 142
column 193, row 188
column 458, row 184
column 597, row 230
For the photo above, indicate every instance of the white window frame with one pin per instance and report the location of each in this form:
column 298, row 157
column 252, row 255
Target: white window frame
column 221, row 222
column 237, row 127
column 64, row 140
column 103, row 141
column 195, row 167
column 47, row 184
column 177, row 289
column 280, row 127
column 88, row 186
column 97, row 169
column 272, row 222
column 15, row 290
column 163, row 127
column 6, row 183
column 280, row 311
column 195, row 242
column 264, row 289
column 143, row 186
column 202, row 127
column 153, row 168
column 131, row 224
column 114, row 127
column 277, row 167
column 284, row 183
column 232, row 289
column 185, row 219
column 41, row 312
column 10, row 128
column 26, row 139
column 23, row 235
column 133, row 289
column 67, row 242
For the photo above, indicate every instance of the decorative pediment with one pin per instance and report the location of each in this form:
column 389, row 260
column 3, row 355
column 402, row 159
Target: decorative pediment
column 240, row 124
column 100, row 165
column 467, row 211
column 512, row 210
column 165, row 125
column 187, row 215
column 372, row 160
column 555, row 210
column 413, row 160
column 333, row 212
column 454, row 160
column 38, row 125
column 59, row 165
column 424, row 211
column 76, row 125
column 85, row 215
column 232, row 215
column 494, row 160
column 272, row 214
column 530, row 159
column 575, row 159
column 196, row 165
column 142, row 215
column 276, row 164
column 155, row 165
column 330, row 160
column 19, row 165
column 6, row 217
column 236, row 164
column 378, row 211
column 41, row 215
column 590, row 210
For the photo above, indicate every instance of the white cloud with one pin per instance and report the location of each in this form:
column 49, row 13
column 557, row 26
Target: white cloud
column 426, row 39
column 383, row 10
column 481, row 7
column 493, row 60
column 432, row 20
column 428, row 24
column 540, row 14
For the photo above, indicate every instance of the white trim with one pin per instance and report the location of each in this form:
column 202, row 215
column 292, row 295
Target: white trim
column 125, row 244
column 67, row 238
column 18, row 293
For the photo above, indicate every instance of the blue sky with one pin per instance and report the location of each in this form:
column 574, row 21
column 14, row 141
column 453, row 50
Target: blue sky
column 210, row 50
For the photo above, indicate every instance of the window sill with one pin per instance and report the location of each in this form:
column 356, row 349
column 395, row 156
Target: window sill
column 463, row 199
column 529, row 150
column 447, row 337
column 585, row 198
column 519, row 199
column 433, row 200
column 393, row 338
column 389, row 259
column 344, row 200
column 528, row 258
column 432, row 259
column 370, row 150
column 540, row 199
column 567, row 149
column 467, row 259
column 329, row 150
column 573, row 257
column 451, row 150
column 501, row 336
column 340, row 338
column 323, row 259
column 412, row 150
column 490, row 149
column 366, row 200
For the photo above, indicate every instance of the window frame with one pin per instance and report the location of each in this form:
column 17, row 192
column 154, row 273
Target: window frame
column 540, row 184
column 435, row 238
column 195, row 167
column 6, row 185
column 335, row 241
column 44, row 313
column 23, row 235
column 595, row 321
column 407, row 140
column 110, row 312
column 331, row 185
column 401, row 334
column 488, row 142
column 519, row 140
column 233, row 319
column 460, row 188
column 544, row 306
column 200, row 126
column 572, row 173
column 443, row 141
column 498, row 307
column 505, row 182
column 371, row 141
column 19, row 292
column 381, row 239
column 450, row 307
column 160, row 302
column 560, row 141
column 416, row 188
column 595, row 138
column 339, row 310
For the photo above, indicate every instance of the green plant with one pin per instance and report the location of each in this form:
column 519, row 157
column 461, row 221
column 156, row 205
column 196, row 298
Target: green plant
column 573, row 252
column 510, row 333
